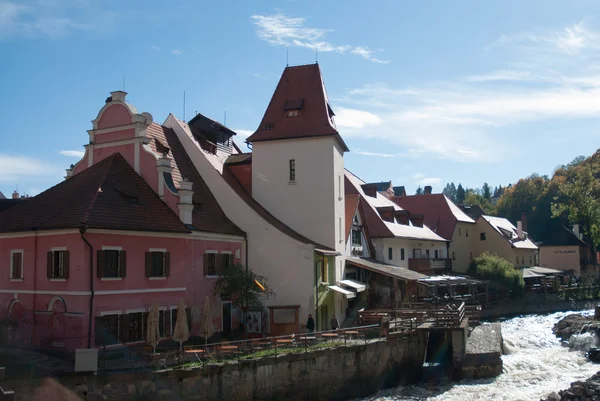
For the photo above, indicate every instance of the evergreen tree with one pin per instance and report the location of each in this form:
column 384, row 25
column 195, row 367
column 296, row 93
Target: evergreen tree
column 419, row 191
column 460, row 194
column 486, row 191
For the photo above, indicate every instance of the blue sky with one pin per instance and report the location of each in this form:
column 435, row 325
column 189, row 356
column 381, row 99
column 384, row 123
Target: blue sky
column 424, row 92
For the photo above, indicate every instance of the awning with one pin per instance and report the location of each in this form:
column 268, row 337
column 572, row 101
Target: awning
column 348, row 294
column 527, row 273
column 354, row 284
column 544, row 270
column 327, row 252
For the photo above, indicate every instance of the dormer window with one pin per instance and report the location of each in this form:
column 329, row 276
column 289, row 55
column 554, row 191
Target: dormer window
column 293, row 113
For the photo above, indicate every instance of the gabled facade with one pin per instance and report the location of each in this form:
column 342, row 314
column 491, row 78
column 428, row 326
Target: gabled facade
column 399, row 237
column 566, row 250
column 498, row 235
column 131, row 225
column 448, row 221
column 287, row 196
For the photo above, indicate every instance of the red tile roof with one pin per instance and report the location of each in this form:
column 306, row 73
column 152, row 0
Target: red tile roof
column 108, row 195
column 207, row 215
column 438, row 211
column 299, row 87
column 351, row 204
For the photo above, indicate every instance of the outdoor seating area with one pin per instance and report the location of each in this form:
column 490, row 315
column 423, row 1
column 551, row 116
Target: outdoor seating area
column 191, row 356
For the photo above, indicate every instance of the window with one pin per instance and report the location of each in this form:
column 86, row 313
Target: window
column 530, row 261
column 522, row 260
column 436, row 254
column 453, row 255
column 293, row 113
column 427, row 253
column 467, row 233
column 390, row 254
column 416, row 253
column 459, row 231
column 356, row 238
column 158, row 263
column 340, row 228
column 134, row 327
column 268, row 126
column 16, row 265
column 340, row 197
column 216, row 264
column 401, row 253
column 323, row 265
column 107, row 330
column 482, row 236
column 111, row 263
column 161, row 323
column 57, row 266
column 470, row 255
column 517, row 260
column 292, row 170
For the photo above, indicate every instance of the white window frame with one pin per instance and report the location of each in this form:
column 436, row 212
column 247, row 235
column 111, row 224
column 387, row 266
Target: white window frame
column 57, row 249
column 163, row 277
column 216, row 253
column 113, row 248
column 12, row 252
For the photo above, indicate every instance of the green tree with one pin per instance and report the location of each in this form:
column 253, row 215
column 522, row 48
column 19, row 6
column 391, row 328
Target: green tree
column 579, row 199
column 450, row 191
column 500, row 272
column 460, row 194
column 419, row 191
column 246, row 288
column 473, row 198
column 486, row 191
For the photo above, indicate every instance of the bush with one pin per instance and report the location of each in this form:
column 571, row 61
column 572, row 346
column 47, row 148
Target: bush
column 499, row 271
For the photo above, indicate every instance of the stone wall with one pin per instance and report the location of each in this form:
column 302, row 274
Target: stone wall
column 330, row 374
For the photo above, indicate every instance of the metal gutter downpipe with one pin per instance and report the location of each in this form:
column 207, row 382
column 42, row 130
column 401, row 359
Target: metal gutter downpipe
column 90, row 317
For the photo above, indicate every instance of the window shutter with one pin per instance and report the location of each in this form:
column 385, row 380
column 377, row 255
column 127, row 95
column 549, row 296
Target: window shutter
column 100, row 263
column 49, row 264
column 66, row 264
column 167, row 269
column 230, row 264
column 148, row 264
column 123, row 263
column 99, row 331
column 205, row 264
column 124, row 329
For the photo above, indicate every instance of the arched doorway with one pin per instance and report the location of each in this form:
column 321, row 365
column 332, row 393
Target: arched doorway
column 58, row 307
column 10, row 326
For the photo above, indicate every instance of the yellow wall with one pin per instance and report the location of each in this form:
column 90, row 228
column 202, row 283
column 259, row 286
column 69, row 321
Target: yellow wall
column 560, row 258
column 496, row 243
column 462, row 245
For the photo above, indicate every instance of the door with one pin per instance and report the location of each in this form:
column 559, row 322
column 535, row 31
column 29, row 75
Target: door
column 226, row 316
column 323, row 317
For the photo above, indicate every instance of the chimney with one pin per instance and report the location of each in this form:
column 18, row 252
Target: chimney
column 520, row 229
column 524, row 221
column 15, row 195
column 185, row 205
column 427, row 190
column 118, row 96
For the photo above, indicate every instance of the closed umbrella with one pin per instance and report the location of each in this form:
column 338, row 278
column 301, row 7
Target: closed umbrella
column 207, row 328
column 181, row 331
column 152, row 332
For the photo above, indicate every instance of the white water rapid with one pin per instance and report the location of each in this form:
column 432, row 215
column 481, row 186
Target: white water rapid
column 536, row 365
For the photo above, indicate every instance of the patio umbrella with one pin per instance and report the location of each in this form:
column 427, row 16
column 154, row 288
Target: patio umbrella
column 152, row 333
column 207, row 328
column 181, row 331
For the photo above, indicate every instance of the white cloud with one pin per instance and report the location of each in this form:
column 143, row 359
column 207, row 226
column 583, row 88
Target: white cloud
column 73, row 153
column 422, row 179
column 257, row 75
column 156, row 48
column 367, row 153
column 243, row 133
column 177, row 52
column 352, row 118
column 19, row 168
column 281, row 30
column 545, row 77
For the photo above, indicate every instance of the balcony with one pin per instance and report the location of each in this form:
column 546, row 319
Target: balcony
column 424, row 265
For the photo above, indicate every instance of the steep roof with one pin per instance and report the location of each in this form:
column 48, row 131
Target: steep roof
column 2, row 195
column 509, row 232
column 207, row 214
column 350, row 206
column 439, row 212
column 564, row 237
column 379, row 227
column 386, row 269
column 6, row 204
column 239, row 158
column 382, row 186
column 108, row 195
column 300, row 88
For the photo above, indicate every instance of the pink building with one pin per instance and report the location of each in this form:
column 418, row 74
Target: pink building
column 134, row 223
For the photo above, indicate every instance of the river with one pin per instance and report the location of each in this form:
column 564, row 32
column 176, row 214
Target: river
column 536, row 364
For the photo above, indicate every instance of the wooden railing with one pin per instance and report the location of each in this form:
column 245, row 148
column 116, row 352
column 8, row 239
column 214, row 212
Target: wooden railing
column 445, row 316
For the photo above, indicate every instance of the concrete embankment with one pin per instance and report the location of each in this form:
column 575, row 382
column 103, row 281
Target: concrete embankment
column 339, row 373
column 483, row 355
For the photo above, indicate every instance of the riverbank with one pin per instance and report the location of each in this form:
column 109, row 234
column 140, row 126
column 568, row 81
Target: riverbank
column 579, row 390
column 533, row 304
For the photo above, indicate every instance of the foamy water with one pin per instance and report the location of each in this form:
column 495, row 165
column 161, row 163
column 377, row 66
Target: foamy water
column 536, row 365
